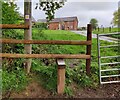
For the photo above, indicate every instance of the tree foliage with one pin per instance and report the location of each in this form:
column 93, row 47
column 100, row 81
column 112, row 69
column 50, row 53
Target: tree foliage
column 9, row 13
column 116, row 17
column 94, row 23
column 49, row 8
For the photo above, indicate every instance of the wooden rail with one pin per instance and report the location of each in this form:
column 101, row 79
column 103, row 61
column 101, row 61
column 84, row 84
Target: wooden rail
column 63, row 42
column 13, row 26
column 59, row 57
column 56, row 56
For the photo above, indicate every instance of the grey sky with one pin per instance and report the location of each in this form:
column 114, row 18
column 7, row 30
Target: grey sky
column 101, row 10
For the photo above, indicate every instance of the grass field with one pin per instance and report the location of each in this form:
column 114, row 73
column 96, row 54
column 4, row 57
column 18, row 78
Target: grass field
column 45, row 69
column 105, row 30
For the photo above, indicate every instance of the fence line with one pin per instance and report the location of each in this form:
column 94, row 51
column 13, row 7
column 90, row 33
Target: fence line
column 13, row 26
column 63, row 42
column 56, row 56
column 61, row 69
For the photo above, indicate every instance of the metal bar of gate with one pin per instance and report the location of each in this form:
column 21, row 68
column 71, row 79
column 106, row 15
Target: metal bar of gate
column 104, row 64
column 109, row 34
column 98, row 42
column 110, row 57
column 109, row 46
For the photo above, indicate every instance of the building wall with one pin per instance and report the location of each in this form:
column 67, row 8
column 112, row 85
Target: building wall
column 75, row 25
column 54, row 26
column 72, row 25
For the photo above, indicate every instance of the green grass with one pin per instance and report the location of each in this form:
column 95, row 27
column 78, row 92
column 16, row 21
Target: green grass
column 106, row 30
column 56, row 35
column 67, row 49
column 48, row 73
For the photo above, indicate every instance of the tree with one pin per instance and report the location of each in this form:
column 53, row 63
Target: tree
column 9, row 13
column 116, row 17
column 94, row 23
column 49, row 7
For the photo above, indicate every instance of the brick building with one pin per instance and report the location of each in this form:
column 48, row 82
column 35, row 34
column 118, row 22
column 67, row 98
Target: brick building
column 66, row 23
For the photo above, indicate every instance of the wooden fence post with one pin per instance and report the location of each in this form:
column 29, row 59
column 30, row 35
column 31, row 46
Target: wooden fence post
column 61, row 76
column 88, row 52
column 27, row 32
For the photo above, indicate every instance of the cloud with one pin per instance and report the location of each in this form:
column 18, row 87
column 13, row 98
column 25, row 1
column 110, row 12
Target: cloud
column 92, row 0
column 102, row 11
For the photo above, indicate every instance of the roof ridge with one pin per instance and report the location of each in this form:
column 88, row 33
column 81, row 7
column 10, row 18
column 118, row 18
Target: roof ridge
column 61, row 19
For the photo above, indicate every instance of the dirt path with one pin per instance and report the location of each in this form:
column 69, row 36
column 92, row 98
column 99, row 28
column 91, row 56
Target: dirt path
column 35, row 90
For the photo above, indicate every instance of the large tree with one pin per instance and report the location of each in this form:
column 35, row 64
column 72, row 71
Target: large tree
column 94, row 23
column 116, row 17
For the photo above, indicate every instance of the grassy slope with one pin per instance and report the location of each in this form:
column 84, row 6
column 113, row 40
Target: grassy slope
column 68, row 49
column 50, row 72
column 67, row 35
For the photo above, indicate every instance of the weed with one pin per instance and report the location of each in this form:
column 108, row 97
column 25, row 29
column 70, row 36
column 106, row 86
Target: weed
column 68, row 91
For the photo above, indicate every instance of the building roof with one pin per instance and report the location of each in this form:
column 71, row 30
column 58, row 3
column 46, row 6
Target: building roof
column 42, row 20
column 63, row 19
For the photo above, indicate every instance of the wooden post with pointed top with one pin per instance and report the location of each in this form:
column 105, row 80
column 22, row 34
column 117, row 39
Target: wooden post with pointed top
column 28, row 32
column 61, row 76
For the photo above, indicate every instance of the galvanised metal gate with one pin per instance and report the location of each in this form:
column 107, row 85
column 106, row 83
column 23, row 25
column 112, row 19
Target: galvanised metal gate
column 109, row 69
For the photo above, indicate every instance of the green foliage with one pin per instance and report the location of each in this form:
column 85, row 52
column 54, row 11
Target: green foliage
column 78, row 75
column 14, row 80
column 49, row 7
column 94, row 23
column 68, row 91
column 9, row 13
column 41, row 26
column 13, row 75
column 46, row 74
column 0, row 81
column 12, row 48
column 116, row 17
column 46, row 69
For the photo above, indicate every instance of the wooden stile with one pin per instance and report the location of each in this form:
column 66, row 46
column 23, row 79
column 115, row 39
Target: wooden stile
column 59, row 57
column 60, row 76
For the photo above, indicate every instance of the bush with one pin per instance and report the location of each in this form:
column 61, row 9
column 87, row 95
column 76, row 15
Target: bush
column 9, row 13
column 40, row 26
column 14, row 80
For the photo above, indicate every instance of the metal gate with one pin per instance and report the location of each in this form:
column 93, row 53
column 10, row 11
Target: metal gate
column 109, row 65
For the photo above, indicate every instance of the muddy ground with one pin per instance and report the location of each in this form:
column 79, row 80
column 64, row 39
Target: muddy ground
column 35, row 90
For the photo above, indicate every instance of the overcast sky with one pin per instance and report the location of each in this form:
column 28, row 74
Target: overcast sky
column 102, row 10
